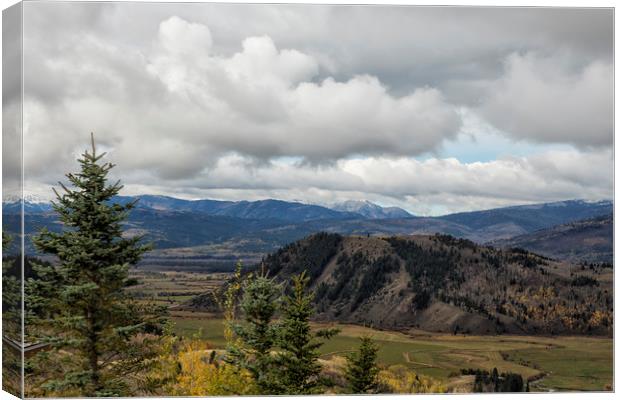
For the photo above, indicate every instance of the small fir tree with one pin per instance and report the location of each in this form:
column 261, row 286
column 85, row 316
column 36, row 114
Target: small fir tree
column 80, row 306
column 256, row 337
column 298, row 359
column 362, row 370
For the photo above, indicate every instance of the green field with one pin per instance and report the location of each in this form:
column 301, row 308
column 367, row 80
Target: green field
column 568, row 363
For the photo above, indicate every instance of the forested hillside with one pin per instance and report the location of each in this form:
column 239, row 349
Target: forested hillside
column 441, row 283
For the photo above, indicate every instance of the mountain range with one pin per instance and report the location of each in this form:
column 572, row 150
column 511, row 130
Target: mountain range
column 260, row 209
column 199, row 231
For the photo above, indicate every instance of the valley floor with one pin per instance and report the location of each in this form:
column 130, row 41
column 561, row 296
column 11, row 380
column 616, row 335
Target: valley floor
column 551, row 363
column 561, row 363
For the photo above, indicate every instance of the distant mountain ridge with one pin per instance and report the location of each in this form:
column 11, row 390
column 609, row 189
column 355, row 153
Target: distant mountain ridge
column 589, row 240
column 528, row 218
column 14, row 207
column 260, row 209
column 207, row 229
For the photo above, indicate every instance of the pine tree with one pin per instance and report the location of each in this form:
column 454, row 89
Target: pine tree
column 80, row 305
column 362, row 369
column 11, row 322
column 11, row 296
column 298, row 359
column 256, row 337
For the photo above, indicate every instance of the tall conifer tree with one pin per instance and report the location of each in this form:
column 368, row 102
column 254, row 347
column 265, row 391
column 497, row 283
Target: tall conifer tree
column 298, row 359
column 80, row 305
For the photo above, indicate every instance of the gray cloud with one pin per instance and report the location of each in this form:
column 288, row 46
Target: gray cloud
column 405, row 47
column 177, row 92
column 539, row 99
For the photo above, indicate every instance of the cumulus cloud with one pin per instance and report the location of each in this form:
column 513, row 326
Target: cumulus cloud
column 184, row 106
column 271, row 106
column 543, row 99
column 322, row 104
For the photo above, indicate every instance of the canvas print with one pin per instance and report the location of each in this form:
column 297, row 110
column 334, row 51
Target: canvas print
column 290, row 199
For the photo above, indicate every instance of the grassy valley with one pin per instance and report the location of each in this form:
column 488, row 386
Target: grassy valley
column 550, row 363
column 507, row 309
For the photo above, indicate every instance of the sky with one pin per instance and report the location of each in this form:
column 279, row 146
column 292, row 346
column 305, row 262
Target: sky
column 432, row 109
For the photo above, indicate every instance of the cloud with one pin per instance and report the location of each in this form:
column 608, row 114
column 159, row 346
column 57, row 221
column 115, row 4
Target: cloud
column 183, row 107
column 405, row 47
column 541, row 99
column 183, row 38
column 431, row 186
column 272, row 106
column 299, row 102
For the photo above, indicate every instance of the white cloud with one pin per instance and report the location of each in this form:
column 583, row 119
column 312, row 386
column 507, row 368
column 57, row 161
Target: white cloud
column 264, row 102
column 544, row 99
column 423, row 187
column 178, row 36
column 178, row 108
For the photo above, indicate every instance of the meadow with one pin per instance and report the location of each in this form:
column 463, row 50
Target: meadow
column 551, row 363
column 560, row 363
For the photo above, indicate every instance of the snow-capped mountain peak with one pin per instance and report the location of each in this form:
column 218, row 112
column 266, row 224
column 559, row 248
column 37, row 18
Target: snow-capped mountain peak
column 370, row 210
